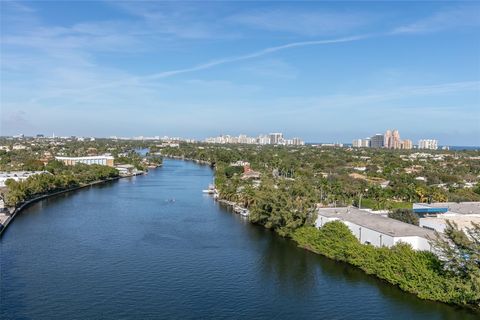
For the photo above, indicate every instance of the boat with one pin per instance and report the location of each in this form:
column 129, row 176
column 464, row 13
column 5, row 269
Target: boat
column 211, row 189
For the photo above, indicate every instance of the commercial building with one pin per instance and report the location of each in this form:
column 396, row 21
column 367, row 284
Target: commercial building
column 377, row 230
column 102, row 160
column 431, row 144
column 18, row 175
column 434, row 216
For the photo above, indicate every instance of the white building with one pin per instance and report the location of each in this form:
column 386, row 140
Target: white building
column 275, row 137
column 102, row 160
column 263, row 139
column 18, row 175
column 357, row 143
column 377, row 230
column 428, row 144
column 434, row 216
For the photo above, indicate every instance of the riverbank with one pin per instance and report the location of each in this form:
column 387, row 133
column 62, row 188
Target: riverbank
column 8, row 218
column 413, row 272
column 188, row 159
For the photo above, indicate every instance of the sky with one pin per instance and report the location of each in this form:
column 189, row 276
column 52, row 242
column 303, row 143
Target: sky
column 322, row 71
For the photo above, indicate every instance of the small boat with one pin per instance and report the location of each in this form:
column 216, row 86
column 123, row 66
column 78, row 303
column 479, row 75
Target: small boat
column 211, row 189
column 244, row 212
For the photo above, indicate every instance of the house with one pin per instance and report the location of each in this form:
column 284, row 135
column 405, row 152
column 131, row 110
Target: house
column 248, row 173
column 377, row 230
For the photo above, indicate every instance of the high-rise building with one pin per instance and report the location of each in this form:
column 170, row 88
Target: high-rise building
column 357, row 143
column 391, row 139
column 298, row 142
column 263, row 139
column 275, row 138
column 377, row 141
column 387, row 139
column 365, row 143
column 397, row 142
column 431, row 144
column 407, row 144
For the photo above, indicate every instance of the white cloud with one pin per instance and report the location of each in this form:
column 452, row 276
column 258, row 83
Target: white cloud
column 307, row 23
column 466, row 16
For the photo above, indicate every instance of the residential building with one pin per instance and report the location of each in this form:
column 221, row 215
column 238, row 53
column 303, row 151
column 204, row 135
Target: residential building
column 391, row 139
column 275, row 137
column 407, row 144
column 102, row 160
column 272, row 138
column 263, row 139
column 431, row 144
column 377, row 230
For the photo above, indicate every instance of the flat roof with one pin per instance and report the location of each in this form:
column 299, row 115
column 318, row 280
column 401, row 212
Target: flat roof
column 453, row 207
column 376, row 222
column 84, row 158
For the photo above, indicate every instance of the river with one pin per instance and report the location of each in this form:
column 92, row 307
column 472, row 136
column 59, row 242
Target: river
column 155, row 247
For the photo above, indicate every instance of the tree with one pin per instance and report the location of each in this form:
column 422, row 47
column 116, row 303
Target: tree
column 404, row 215
column 460, row 250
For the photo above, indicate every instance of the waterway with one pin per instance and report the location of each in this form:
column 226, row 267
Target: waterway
column 155, row 247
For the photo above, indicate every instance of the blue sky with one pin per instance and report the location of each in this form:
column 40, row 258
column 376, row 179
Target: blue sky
column 329, row 71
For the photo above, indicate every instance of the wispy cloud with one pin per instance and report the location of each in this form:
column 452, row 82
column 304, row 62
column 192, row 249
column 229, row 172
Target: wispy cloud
column 302, row 22
column 144, row 80
column 452, row 18
column 256, row 54
column 370, row 99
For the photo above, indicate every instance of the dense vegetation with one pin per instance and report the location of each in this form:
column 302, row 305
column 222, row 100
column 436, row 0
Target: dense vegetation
column 59, row 177
column 405, row 215
column 295, row 180
column 418, row 272
column 379, row 179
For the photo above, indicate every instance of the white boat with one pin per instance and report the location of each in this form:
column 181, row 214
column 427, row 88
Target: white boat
column 211, row 189
column 244, row 212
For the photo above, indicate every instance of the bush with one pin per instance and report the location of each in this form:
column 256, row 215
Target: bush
column 405, row 215
column 418, row 272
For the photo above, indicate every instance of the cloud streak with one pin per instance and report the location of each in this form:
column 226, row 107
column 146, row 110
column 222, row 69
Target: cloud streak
column 255, row 54
column 467, row 16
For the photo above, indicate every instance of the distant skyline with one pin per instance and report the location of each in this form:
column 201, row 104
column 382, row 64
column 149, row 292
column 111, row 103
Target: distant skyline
column 325, row 72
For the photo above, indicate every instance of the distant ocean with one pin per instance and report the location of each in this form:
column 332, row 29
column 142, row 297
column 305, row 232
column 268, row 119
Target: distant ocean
column 458, row 148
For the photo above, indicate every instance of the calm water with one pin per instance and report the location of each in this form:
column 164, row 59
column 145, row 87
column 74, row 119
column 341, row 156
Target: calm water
column 125, row 250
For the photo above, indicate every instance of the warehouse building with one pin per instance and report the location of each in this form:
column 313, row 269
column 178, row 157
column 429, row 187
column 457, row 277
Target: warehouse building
column 434, row 216
column 377, row 230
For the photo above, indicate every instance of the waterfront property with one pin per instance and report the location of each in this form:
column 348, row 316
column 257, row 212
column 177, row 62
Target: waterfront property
column 102, row 160
column 377, row 230
column 186, row 259
column 434, row 216
column 18, row 175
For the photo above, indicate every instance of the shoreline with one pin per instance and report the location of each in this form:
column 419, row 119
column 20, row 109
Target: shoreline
column 309, row 249
column 27, row 203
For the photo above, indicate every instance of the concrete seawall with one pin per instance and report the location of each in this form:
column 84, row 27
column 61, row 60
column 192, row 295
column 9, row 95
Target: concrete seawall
column 24, row 205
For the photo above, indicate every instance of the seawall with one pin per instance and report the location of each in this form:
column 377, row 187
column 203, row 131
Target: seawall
column 27, row 203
